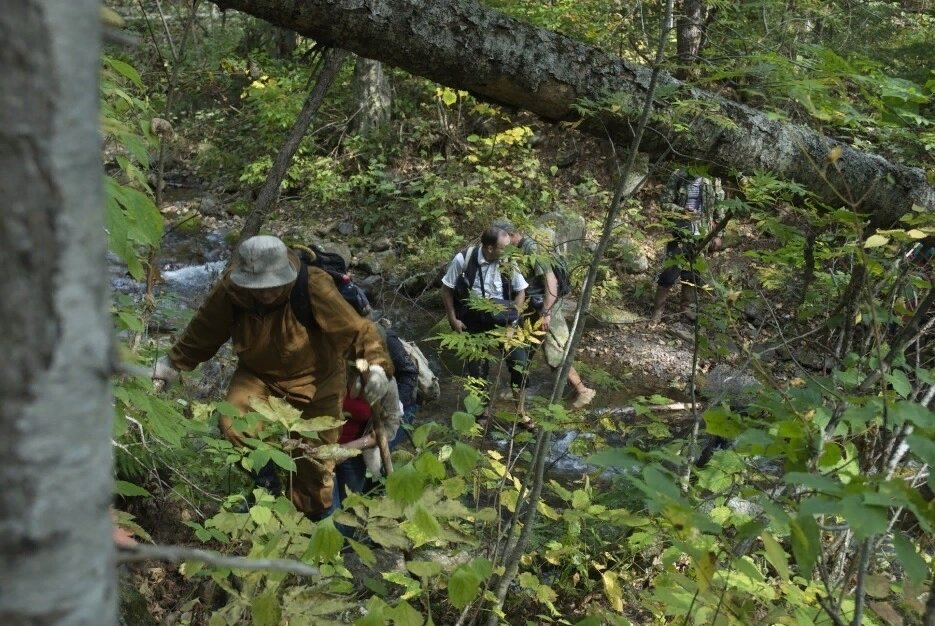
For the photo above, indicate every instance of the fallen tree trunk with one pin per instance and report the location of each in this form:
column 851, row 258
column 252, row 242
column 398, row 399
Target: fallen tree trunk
column 465, row 45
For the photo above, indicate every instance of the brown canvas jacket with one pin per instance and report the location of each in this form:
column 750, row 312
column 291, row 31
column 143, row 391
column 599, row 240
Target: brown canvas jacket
column 274, row 345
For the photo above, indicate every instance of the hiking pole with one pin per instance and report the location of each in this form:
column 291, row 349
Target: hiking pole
column 377, row 412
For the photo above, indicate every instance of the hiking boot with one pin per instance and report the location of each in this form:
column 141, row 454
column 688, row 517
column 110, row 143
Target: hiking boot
column 584, row 398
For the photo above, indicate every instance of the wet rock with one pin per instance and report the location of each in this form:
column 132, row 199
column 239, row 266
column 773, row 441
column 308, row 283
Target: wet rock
column 627, row 257
column 372, row 286
column 338, row 248
column 387, row 258
column 382, row 244
column 344, row 228
column 211, row 206
column 726, row 382
column 569, row 230
column 611, row 315
column 369, row 265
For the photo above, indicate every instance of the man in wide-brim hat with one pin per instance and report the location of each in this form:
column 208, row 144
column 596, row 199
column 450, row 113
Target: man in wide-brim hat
column 277, row 354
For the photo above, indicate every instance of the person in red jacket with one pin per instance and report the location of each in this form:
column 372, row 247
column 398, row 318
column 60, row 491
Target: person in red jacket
column 359, row 433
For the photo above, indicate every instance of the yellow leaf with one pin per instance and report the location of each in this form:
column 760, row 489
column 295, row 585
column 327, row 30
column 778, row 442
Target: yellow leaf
column 704, row 570
column 612, row 590
column 835, row 153
column 915, row 233
column 875, row 241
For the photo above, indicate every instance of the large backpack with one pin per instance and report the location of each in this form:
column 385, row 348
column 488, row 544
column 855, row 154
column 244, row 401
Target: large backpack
column 558, row 264
column 428, row 388
column 336, row 267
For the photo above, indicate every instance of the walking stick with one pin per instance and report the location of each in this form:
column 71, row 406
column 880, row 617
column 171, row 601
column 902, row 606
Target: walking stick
column 377, row 412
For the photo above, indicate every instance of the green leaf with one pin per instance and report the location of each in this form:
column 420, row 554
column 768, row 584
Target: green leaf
column 428, row 465
column 388, row 537
column 905, row 411
column 405, row 485
column 776, row 555
column 421, row 435
column 806, row 543
column 473, row 405
column 817, row 482
column 325, row 543
column 129, row 490
column 422, row 527
column 722, row 422
column 424, row 569
column 462, row 422
column 613, row 457
column 281, row 459
column 864, row 520
column 124, row 69
column 404, row 615
column 900, row 383
column 261, row 514
column 463, row 458
column 265, row 609
column 875, row 241
column 449, row 97
column 366, row 555
column 922, row 447
column 463, row 586
column 661, row 483
column 916, row 569
column 132, row 322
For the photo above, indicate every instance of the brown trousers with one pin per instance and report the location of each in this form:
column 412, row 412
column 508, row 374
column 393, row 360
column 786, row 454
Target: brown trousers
column 311, row 486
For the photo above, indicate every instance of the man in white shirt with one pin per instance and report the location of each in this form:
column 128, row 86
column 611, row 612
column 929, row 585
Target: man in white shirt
column 477, row 272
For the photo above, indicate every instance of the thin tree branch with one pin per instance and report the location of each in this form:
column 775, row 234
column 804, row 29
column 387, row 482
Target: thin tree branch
column 177, row 554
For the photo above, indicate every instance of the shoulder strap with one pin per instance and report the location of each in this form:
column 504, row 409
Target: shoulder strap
column 300, row 298
column 471, row 266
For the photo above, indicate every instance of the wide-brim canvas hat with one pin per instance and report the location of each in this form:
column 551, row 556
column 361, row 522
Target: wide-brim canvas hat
column 263, row 262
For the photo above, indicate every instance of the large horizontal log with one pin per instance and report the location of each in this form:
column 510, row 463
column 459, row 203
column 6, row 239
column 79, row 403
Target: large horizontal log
column 465, row 45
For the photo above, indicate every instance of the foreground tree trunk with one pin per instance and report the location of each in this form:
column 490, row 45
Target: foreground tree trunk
column 466, row 45
column 56, row 554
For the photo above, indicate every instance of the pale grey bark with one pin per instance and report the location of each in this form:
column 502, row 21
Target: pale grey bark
column 466, row 45
column 56, row 553
column 373, row 96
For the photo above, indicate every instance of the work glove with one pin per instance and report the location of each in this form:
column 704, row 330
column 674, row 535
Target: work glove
column 164, row 374
column 376, row 386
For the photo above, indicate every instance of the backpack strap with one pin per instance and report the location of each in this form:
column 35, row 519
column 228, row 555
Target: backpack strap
column 300, row 298
column 471, row 267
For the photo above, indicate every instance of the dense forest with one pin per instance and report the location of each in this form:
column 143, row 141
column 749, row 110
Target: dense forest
column 758, row 452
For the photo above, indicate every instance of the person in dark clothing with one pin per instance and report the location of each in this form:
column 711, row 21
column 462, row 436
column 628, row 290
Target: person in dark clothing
column 692, row 202
column 407, row 380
